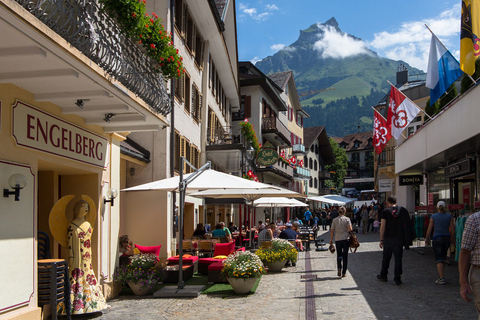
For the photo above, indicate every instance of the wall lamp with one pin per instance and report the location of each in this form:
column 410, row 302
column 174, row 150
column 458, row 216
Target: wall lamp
column 110, row 195
column 16, row 182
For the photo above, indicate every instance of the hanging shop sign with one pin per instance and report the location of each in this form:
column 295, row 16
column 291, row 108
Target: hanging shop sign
column 459, row 169
column 267, row 157
column 385, row 185
column 456, row 207
column 35, row 129
column 410, row 180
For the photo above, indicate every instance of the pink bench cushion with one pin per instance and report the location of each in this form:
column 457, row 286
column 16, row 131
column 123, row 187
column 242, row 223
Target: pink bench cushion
column 224, row 249
column 217, row 266
column 152, row 249
column 209, row 260
column 189, row 260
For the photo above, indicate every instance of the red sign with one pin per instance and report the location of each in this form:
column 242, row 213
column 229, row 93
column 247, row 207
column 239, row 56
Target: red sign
column 430, row 208
column 456, row 207
column 430, row 199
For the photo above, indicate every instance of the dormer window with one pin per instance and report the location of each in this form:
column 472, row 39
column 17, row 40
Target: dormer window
column 356, row 144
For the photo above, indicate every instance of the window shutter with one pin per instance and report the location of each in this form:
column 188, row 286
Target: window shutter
column 248, row 106
column 292, row 138
column 194, row 38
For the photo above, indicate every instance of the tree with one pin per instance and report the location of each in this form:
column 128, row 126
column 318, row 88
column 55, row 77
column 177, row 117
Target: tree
column 338, row 170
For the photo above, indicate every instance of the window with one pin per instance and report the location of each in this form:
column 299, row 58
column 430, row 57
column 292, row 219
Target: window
column 310, row 164
column 196, row 103
column 306, row 162
column 315, row 165
column 199, row 51
column 187, row 91
column 179, row 89
column 315, row 184
column 179, row 17
column 310, row 183
column 190, row 33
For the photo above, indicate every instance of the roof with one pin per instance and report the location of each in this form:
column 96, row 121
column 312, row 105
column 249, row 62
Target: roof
column 349, row 140
column 281, row 78
column 218, row 8
column 311, row 134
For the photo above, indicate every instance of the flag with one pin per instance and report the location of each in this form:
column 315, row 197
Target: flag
column 401, row 111
column 443, row 70
column 469, row 35
column 381, row 134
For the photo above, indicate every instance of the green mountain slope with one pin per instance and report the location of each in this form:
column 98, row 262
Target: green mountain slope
column 363, row 76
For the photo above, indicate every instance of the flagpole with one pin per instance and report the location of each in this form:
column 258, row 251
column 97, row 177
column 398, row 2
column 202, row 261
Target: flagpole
column 381, row 115
column 433, row 34
column 411, row 101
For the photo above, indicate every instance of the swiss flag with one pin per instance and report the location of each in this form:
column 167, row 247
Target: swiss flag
column 381, row 133
column 401, row 111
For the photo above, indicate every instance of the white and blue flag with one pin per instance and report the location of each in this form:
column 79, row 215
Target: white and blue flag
column 443, row 70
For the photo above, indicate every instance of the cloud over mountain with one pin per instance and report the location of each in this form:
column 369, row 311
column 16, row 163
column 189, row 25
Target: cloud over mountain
column 338, row 45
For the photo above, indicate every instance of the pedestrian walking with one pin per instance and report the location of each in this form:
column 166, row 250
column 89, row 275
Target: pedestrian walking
column 341, row 228
column 364, row 219
column 469, row 262
column 443, row 232
column 395, row 233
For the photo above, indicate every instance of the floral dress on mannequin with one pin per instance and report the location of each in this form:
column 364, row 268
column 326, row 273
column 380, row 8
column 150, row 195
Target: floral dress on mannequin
column 85, row 294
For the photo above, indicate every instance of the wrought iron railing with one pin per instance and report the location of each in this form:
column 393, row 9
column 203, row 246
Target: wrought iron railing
column 301, row 172
column 88, row 28
column 224, row 135
column 298, row 148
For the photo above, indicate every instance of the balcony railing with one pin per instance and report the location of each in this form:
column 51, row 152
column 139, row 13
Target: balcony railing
column 91, row 30
column 387, row 157
column 301, row 173
column 298, row 149
column 274, row 125
column 224, row 135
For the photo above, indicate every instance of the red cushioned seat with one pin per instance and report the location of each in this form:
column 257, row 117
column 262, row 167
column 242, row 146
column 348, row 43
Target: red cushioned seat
column 187, row 260
column 214, row 271
column 221, row 249
column 204, row 263
column 150, row 249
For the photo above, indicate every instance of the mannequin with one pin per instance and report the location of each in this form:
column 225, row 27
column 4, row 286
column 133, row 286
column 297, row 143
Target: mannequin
column 85, row 294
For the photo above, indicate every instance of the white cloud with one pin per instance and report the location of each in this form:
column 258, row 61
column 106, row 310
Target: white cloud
column 254, row 12
column 277, row 47
column 255, row 60
column 411, row 42
column 338, row 45
column 271, row 7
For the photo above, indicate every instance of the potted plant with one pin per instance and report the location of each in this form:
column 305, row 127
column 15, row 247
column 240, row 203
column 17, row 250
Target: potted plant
column 275, row 256
column 141, row 274
column 242, row 269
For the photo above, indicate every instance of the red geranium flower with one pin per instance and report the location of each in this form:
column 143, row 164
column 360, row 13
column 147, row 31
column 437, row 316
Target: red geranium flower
column 152, row 46
column 134, row 14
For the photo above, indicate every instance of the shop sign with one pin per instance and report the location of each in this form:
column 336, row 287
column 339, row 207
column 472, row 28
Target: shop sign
column 410, row 180
column 35, row 129
column 425, row 208
column 385, row 185
column 458, row 169
column 430, row 198
column 456, row 207
column 267, row 157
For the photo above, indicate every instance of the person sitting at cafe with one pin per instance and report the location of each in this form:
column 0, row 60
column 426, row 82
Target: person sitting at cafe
column 228, row 234
column 199, row 231
column 279, row 222
column 288, row 234
column 232, row 227
column 126, row 249
column 273, row 227
column 219, row 232
column 265, row 235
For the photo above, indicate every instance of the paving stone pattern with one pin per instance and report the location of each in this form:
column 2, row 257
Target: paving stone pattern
column 357, row 296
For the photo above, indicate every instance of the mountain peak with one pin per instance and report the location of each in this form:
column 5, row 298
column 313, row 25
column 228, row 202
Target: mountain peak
column 331, row 22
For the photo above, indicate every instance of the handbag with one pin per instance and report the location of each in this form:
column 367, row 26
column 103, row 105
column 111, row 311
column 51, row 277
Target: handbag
column 354, row 244
column 331, row 248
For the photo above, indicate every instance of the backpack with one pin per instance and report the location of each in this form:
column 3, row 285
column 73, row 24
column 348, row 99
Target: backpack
column 354, row 244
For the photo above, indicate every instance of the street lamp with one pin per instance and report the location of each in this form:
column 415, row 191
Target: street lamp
column 250, row 153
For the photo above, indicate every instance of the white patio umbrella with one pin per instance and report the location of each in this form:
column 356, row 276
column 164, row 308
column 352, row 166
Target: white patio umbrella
column 332, row 202
column 279, row 202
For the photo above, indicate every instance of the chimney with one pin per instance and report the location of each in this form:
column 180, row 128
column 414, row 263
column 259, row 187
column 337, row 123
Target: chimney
column 402, row 75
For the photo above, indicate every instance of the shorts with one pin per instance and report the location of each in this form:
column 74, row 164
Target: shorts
column 440, row 248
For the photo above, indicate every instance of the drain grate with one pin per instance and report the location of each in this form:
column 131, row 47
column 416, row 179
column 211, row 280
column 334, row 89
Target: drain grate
column 308, row 276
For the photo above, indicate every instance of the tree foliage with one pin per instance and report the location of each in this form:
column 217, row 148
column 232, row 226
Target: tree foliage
column 338, row 170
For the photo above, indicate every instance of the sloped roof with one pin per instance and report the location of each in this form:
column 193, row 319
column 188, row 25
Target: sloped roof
column 350, row 139
column 281, row 78
column 319, row 133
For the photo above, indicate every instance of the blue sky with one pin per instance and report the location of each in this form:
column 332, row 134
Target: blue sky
column 393, row 29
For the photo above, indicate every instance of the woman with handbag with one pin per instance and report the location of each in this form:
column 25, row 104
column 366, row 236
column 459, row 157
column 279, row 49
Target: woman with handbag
column 341, row 228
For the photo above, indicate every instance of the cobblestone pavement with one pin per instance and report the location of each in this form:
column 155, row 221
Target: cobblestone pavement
column 357, row 296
